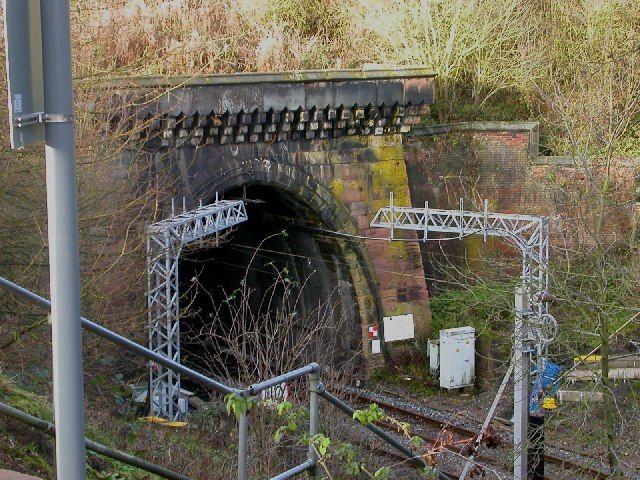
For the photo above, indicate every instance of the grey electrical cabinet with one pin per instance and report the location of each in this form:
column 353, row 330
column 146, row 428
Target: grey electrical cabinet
column 457, row 357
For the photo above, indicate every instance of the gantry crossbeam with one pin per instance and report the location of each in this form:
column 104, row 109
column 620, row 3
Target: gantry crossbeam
column 530, row 234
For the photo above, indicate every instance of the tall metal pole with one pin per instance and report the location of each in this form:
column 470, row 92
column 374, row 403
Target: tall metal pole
column 62, row 213
column 520, row 389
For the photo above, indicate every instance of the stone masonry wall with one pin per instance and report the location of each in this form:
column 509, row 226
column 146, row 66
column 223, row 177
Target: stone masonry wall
column 361, row 172
column 500, row 162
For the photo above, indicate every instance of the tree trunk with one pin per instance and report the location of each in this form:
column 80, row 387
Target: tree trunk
column 607, row 395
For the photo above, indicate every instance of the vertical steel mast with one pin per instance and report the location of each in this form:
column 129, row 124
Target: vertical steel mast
column 165, row 240
column 63, row 241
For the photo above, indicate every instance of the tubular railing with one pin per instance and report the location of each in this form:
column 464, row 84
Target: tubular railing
column 49, row 429
column 316, row 390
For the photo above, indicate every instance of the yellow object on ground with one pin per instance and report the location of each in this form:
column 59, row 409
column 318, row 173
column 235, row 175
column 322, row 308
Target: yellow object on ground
column 549, row 403
column 153, row 419
column 163, row 421
column 586, row 359
column 175, row 424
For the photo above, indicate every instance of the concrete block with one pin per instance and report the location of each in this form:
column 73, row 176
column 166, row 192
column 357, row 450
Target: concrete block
column 389, row 92
column 614, row 373
column 175, row 104
column 241, row 97
column 361, row 93
column 579, row 396
column 319, row 95
column 10, row 475
column 418, row 90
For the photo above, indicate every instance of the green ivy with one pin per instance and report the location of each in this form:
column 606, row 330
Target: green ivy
column 480, row 306
column 292, row 419
column 238, row 405
column 369, row 415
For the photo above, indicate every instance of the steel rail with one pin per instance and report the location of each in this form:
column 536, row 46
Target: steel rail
column 551, row 458
column 312, row 370
column 479, row 459
column 348, row 410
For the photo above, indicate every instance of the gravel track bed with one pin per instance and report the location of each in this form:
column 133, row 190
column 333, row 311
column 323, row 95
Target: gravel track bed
column 494, row 456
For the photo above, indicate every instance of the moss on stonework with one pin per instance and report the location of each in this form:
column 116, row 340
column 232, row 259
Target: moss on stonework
column 378, row 142
column 391, row 174
column 474, row 246
column 26, row 401
column 337, row 187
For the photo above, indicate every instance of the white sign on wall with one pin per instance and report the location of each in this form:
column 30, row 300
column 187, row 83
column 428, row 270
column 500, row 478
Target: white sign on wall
column 399, row 327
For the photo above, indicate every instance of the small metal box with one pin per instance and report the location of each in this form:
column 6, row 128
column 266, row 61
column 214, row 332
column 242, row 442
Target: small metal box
column 433, row 350
column 457, row 357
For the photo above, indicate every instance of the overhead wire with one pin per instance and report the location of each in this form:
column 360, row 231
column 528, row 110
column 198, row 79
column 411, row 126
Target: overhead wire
column 238, row 247
column 388, row 239
column 331, row 234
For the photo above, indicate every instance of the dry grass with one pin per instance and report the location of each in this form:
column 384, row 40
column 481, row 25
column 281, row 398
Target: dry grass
column 159, row 37
column 496, row 59
column 574, row 64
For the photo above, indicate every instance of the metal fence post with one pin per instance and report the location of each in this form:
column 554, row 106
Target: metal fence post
column 243, row 440
column 314, row 381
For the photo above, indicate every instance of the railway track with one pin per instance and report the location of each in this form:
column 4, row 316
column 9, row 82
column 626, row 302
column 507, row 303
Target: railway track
column 583, row 466
column 397, row 456
column 482, row 460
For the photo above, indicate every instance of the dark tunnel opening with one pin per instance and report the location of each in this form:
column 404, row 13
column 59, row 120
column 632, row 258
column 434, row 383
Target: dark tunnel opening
column 269, row 296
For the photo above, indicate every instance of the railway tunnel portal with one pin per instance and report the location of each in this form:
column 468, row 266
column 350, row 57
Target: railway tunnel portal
column 314, row 155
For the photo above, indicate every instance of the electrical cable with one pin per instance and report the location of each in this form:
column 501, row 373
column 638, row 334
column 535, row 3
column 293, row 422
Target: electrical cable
column 235, row 246
column 387, row 239
column 342, row 263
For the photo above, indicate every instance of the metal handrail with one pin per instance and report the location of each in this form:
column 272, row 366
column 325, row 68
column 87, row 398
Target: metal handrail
column 122, row 341
column 316, row 390
column 50, row 429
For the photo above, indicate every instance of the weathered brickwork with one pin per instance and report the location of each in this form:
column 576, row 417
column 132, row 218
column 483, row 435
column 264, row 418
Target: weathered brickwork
column 482, row 164
column 328, row 140
column 499, row 162
column 344, row 182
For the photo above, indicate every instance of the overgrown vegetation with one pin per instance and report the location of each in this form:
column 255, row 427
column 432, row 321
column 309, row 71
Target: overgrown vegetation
column 486, row 307
column 495, row 60
column 572, row 65
column 29, row 450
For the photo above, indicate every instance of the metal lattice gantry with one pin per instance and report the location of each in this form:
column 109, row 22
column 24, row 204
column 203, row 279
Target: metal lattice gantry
column 530, row 234
column 165, row 240
column 534, row 326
